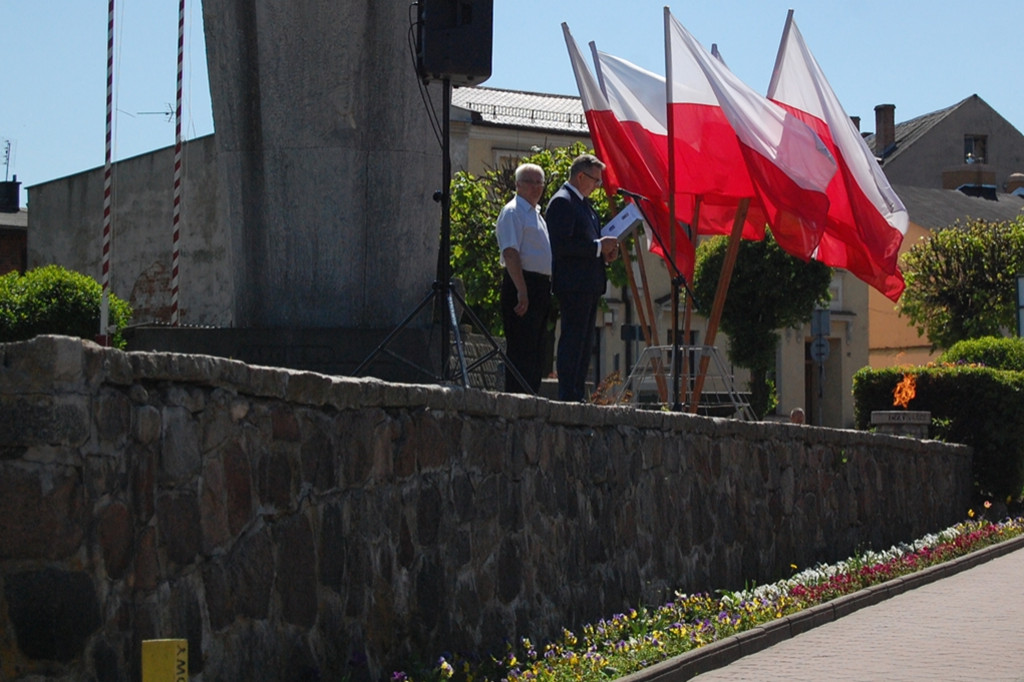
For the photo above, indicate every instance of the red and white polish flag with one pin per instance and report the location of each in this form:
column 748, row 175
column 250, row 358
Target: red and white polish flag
column 866, row 220
column 789, row 166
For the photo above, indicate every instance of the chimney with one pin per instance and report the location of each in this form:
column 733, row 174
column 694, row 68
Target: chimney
column 10, row 193
column 856, row 122
column 885, row 129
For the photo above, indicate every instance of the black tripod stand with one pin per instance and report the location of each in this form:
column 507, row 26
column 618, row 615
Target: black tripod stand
column 442, row 294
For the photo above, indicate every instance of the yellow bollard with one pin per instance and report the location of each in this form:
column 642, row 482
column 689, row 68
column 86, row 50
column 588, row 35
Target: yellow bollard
column 165, row 660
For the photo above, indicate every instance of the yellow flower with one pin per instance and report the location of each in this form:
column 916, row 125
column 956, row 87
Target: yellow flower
column 970, row 513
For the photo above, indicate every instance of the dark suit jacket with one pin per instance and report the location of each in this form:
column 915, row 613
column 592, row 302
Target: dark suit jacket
column 574, row 227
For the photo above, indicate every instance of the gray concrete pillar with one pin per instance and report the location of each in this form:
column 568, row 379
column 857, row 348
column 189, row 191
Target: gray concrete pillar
column 327, row 161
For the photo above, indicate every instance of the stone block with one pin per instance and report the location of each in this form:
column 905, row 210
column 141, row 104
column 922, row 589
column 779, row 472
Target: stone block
column 109, row 365
column 308, row 388
column 296, row 571
column 238, row 486
column 319, row 457
column 44, row 419
column 285, row 425
column 113, row 419
column 213, row 507
column 250, row 578
column 276, row 476
column 180, row 457
column 146, row 423
column 180, row 530
column 42, row 513
column 115, row 534
column 53, row 612
column 146, row 575
column 36, row 365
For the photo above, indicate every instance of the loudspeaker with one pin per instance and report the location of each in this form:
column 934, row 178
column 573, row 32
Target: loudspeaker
column 455, row 40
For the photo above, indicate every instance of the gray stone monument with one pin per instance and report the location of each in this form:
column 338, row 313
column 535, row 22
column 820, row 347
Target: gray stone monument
column 327, row 160
column 327, row 166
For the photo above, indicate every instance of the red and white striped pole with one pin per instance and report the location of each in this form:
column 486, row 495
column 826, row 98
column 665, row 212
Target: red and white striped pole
column 103, row 337
column 177, row 168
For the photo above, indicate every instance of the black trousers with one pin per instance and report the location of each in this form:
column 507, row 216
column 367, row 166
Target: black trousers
column 576, row 343
column 524, row 335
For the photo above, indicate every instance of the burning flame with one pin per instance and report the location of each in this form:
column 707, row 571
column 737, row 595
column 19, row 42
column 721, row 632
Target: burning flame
column 904, row 391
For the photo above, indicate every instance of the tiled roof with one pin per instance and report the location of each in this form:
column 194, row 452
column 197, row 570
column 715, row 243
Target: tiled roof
column 517, row 109
column 910, row 131
column 934, row 209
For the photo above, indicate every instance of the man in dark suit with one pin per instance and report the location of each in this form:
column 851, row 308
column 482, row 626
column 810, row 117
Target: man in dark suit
column 579, row 254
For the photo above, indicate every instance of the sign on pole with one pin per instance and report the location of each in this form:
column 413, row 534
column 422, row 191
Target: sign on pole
column 1020, row 306
column 819, row 349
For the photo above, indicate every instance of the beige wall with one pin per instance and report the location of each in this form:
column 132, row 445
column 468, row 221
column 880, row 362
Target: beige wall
column 66, row 228
column 480, row 148
column 893, row 340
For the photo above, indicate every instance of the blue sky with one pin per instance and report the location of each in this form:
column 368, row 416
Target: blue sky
column 919, row 55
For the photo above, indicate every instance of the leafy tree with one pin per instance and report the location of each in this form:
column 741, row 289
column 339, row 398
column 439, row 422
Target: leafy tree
column 961, row 282
column 475, row 204
column 769, row 290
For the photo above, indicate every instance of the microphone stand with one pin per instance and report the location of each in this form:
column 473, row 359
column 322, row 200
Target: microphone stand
column 443, row 294
column 678, row 281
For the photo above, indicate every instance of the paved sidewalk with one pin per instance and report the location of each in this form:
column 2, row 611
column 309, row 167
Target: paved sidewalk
column 961, row 622
column 969, row 626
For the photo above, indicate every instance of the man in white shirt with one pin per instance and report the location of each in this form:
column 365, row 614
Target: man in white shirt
column 526, row 283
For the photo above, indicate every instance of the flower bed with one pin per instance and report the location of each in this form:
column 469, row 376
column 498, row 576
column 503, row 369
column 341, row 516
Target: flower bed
column 632, row 641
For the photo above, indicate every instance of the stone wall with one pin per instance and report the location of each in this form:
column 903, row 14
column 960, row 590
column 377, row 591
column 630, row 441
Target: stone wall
column 294, row 526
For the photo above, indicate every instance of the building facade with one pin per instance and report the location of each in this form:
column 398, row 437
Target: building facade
column 959, row 163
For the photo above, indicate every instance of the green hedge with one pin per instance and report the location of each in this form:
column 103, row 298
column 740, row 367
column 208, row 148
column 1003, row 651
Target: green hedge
column 997, row 352
column 53, row 300
column 976, row 406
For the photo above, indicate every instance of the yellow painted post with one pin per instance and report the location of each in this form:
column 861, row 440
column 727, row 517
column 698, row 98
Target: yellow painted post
column 165, row 660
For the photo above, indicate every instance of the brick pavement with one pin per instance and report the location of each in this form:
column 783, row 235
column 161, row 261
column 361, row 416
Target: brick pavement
column 961, row 621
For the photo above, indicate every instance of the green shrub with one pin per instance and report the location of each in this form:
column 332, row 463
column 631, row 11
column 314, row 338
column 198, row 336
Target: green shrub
column 53, row 300
column 976, row 406
column 997, row 352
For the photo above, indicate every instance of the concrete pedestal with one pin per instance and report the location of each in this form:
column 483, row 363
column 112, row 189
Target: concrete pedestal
column 912, row 423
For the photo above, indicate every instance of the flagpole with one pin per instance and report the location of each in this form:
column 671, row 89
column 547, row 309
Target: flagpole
column 683, row 389
column 719, row 302
column 104, row 336
column 677, row 401
column 176, row 219
column 777, row 69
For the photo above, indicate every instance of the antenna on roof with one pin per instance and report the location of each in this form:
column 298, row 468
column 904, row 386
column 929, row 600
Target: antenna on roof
column 7, row 158
column 168, row 112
